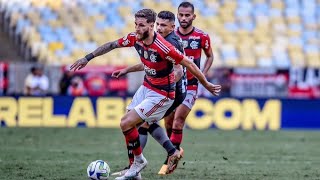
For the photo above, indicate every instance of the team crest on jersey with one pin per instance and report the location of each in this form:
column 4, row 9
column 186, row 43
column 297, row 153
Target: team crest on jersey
column 185, row 44
column 146, row 55
column 153, row 58
column 194, row 45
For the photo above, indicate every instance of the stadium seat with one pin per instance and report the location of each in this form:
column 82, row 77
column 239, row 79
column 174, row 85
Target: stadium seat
column 251, row 28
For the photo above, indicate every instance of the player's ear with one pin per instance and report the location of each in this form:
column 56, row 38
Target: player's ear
column 194, row 16
column 173, row 26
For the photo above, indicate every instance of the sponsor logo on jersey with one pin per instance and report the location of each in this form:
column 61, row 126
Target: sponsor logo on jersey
column 150, row 71
column 153, row 50
column 194, row 37
column 170, row 59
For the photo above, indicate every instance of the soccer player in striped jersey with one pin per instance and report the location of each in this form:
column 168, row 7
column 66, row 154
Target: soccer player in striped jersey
column 165, row 25
column 194, row 41
column 157, row 93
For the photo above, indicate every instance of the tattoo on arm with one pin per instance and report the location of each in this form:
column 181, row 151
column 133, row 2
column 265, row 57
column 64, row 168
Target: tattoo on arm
column 107, row 47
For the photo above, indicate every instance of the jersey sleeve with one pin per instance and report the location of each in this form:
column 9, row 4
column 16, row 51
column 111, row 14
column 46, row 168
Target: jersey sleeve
column 174, row 55
column 205, row 43
column 128, row 40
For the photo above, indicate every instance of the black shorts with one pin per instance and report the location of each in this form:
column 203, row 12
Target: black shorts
column 181, row 93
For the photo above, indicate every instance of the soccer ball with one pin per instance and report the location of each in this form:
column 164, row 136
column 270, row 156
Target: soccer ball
column 98, row 170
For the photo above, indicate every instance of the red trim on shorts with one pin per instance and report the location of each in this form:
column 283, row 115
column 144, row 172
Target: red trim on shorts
column 192, row 87
column 170, row 95
column 156, row 107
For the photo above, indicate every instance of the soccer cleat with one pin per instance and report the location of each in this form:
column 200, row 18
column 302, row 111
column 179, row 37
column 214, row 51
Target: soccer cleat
column 163, row 170
column 136, row 167
column 164, row 167
column 121, row 172
column 138, row 177
column 173, row 161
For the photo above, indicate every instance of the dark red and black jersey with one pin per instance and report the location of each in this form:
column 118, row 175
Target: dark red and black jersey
column 193, row 43
column 158, row 59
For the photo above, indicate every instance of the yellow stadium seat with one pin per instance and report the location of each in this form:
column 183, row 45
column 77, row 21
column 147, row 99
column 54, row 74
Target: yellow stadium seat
column 149, row 4
column 247, row 61
column 294, row 20
column 297, row 59
column 55, row 4
column 66, row 60
column 313, row 60
column 277, row 5
column 55, row 23
column 54, row 46
column 231, row 39
column 76, row 53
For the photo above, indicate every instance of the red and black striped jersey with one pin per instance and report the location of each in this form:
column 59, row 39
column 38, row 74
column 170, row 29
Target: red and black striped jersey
column 158, row 59
column 193, row 43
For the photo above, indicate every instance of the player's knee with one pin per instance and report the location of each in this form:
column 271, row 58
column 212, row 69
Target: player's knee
column 124, row 124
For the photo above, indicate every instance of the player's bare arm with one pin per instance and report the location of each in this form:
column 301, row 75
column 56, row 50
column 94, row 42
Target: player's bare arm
column 107, row 47
column 178, row 72
column 214, row 89
column 209, row 61
column 122, row 72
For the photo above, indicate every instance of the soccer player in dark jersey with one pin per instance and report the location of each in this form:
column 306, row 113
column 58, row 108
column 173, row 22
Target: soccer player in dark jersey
column 165, row 25
column 157, row 93
column 194, row 41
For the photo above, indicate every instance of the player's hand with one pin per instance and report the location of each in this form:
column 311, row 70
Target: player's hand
column 79, row 64
column 119, row 73
column 213, row 88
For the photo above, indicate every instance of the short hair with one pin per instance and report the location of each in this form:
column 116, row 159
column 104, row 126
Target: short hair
column 148, row 14
column 186, row 4
column 167, row 15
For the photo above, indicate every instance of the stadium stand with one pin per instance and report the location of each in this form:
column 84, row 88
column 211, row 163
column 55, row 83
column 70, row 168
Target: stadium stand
column 245, row 33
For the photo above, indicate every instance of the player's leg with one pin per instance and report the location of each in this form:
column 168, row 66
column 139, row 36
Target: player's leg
column 179, row 120
column 180, row 115
column 136, row 100
column 176, row 137
column 128, row 127
column 143, row 137
column 143, row 134
column 151, row 109
column 168, row 122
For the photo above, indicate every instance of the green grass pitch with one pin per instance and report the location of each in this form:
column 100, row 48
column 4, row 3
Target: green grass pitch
column 63, row 154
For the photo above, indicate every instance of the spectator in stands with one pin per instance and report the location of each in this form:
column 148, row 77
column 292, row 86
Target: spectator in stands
column 36, row 83
column 76, row 87
column 65, row 82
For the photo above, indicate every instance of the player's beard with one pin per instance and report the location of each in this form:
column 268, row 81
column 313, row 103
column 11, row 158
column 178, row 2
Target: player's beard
column 188, row 24
column 145, row 35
